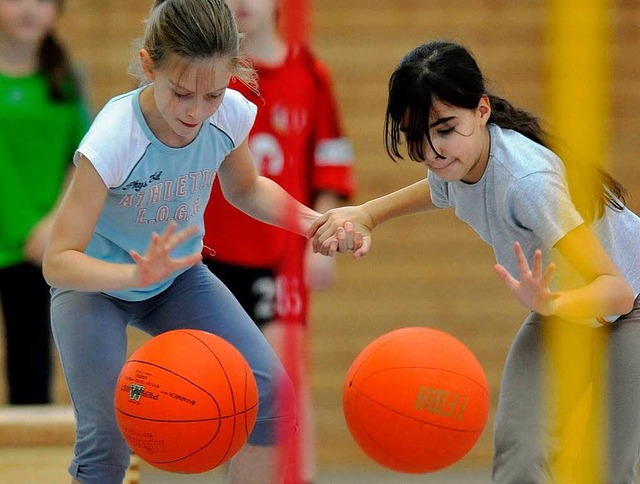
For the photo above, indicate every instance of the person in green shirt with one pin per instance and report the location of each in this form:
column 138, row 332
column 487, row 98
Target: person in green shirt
column 43, row 116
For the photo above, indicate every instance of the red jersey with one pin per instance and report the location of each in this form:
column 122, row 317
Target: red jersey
column 297, row 140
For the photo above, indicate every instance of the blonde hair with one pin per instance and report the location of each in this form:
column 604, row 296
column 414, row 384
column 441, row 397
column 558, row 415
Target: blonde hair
column 194, row 30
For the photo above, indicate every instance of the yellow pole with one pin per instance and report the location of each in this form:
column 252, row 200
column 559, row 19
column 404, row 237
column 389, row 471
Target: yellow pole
column 577, row 105
column 578, row 75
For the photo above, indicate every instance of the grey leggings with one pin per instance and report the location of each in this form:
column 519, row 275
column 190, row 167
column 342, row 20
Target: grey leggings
column 90, row 333
column 527, row 442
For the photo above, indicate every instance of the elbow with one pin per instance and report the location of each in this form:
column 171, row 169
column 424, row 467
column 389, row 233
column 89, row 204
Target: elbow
column 47, row 273
column 626, row 299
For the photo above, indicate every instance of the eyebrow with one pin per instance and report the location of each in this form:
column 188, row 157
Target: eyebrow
column 178, row 86
column 441, row 121
column 437, row 122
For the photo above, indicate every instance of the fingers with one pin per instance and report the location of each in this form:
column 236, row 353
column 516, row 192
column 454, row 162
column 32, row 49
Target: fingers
column 171, row 228
column 172, row 238
column 161, row 245
column 504, row 275
column 325, row 228
column 350, row 234
column 188, row 260
column 320, row 231
column 536, row 267
column 548, row 274
column 317, row 224
column 521, row 260
column 183, row 235
column 346, row 237
column 362, row 245
column 330, row 247
column 137, row 258
column 343, row 243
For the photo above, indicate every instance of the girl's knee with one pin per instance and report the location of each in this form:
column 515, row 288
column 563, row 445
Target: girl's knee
column 277, row 414
column 519, row 457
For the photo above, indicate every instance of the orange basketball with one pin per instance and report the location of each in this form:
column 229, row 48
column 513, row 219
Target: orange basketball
column 186, row 401
column 416, row 400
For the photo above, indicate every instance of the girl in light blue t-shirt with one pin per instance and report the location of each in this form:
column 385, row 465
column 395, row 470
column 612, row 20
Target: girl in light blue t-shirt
column 565, row 245
column 127, row 240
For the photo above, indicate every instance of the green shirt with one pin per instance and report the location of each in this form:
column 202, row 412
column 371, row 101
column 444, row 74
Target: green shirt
column 37, row 140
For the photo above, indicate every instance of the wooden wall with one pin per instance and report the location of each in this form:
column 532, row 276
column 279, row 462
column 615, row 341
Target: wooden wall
column 423, row 270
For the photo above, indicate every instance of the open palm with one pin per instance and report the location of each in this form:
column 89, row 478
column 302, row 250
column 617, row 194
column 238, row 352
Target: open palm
column 532, row 290
column 157, row 263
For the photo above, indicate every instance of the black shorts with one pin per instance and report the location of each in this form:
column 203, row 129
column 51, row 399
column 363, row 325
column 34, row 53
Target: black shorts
column 254, row 288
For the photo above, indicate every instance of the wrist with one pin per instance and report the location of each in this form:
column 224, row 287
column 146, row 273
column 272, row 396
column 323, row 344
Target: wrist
column 304, row 221
column 369, row 211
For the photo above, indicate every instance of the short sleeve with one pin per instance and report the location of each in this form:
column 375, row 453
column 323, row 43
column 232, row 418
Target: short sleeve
column 439, row 191
column 541, row 203
column 235, row 116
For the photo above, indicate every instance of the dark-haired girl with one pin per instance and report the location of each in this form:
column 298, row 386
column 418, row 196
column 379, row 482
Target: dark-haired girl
column 491, row 162
column 42, row 118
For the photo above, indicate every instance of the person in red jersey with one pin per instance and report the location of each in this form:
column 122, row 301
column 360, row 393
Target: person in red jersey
column 298, row 141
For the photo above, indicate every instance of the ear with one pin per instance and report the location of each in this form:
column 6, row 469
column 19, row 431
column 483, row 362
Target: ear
column 484, row 109
column 147, row 65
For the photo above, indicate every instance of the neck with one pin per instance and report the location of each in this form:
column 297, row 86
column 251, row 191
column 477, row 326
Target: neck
column 266, row 47
column 18, row 59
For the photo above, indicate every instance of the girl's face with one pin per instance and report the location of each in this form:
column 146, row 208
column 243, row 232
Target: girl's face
column 27, row 22
column 461, row 140
column 185, row 94
column 253, row 16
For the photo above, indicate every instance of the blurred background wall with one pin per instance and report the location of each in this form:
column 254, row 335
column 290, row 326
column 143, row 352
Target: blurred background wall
column 425, row 270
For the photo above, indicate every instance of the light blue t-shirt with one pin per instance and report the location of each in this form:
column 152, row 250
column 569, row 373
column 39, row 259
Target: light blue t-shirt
column 523, row 196
column 150, row 183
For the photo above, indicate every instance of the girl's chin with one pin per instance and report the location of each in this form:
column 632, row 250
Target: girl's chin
column 447, row 173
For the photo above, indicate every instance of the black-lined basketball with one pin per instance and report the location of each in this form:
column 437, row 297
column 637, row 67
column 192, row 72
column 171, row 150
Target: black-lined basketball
column 416, row 400
column 186, row 401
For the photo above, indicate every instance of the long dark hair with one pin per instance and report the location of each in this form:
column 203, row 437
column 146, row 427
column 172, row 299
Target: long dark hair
column 448, row 72
column 64, row 85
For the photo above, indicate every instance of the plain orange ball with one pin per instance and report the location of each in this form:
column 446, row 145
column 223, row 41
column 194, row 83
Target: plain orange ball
column 416, row 400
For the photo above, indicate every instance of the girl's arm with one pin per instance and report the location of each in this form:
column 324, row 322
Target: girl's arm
column 66, row 266
column 260, row 197
column 605, row 292
column 40, row 234
column 345, row 222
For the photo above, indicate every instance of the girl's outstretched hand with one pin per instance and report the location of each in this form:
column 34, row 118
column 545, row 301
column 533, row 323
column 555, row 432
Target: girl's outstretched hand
column 342, row 229
column 157, row 264
column 532, row 290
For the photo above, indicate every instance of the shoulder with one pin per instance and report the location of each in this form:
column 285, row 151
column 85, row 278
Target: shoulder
column 519, row 157
column 235, row 116
column 114, row 138
column 117, row 112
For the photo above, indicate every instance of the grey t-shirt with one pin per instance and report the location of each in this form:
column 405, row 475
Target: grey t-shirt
column 523, row 196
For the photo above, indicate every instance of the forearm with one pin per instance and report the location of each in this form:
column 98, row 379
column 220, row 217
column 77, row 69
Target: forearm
column 406, row 201
column 607, row 295
column 270, row 203
column 71, row 269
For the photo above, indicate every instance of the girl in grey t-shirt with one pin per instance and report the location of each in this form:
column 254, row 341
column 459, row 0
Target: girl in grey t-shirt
column 565, row 245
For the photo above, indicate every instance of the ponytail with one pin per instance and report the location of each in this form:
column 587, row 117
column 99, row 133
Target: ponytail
column 584, row 179
column 55, row 65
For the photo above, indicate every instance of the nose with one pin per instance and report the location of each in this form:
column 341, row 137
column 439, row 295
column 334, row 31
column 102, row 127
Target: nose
column 432, row 152
column 195, row 110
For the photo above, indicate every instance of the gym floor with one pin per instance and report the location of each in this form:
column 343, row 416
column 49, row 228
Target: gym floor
column 47, row 464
